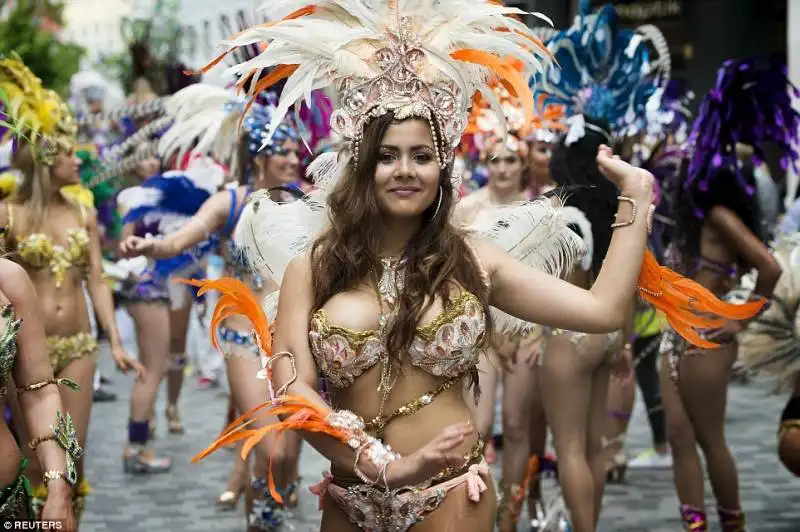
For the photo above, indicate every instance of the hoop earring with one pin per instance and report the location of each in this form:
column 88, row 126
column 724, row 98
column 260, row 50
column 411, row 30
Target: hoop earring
column 438, row 203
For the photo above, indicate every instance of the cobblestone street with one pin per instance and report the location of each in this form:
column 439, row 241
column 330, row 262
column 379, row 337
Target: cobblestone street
column 184, row 499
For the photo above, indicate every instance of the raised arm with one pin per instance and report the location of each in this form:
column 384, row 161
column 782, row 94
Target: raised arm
column 38, row 394
column 748, row 247
column 211, row 217
column 536, row 297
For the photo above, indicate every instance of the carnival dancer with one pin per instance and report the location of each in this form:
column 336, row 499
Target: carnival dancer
column 389, row 295
column 206, row 121
column 56, row 240
column 23, row 357
column 159, row 207
column 769, row 344
column 502, row 147
column 606, row 78
column 660, row 148
column 716, row 229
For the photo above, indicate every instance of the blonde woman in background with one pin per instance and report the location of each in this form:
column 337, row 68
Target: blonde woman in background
column 57, row 242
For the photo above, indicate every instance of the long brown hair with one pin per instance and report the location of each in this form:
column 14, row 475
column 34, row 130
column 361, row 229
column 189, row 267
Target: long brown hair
column 347, row 255
column 36, row 187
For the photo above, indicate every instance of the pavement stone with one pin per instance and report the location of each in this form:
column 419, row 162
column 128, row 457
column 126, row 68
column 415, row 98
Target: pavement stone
column 184, row 498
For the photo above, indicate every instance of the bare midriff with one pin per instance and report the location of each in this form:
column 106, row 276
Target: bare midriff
column 64, row 309
column 409, row 433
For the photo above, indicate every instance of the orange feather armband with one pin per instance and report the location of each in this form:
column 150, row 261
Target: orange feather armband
column 688, row 306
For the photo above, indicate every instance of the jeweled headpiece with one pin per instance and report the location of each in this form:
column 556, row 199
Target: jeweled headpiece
column 606, row 72
column 34, row 114
column 414, row 58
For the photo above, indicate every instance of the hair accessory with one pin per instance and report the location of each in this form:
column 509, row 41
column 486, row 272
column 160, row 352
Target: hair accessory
column 606, row 73
column 417, row 58
column 751, row 103
column 34, row 114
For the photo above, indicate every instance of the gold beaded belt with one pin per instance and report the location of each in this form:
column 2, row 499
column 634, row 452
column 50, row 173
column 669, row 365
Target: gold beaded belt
column 378, row 423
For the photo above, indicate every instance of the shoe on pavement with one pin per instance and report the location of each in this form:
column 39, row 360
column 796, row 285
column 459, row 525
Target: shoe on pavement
column 651, row 459
column 102, row 396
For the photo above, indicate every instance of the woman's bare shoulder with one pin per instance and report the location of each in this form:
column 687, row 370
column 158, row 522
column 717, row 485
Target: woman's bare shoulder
column 15, row 284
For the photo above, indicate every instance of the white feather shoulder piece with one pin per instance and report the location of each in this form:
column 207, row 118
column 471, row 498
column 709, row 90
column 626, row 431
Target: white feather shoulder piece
column 271, row 234
column 535, row 233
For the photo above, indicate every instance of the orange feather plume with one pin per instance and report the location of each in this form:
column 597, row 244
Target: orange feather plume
column 511, row 78
column 298, row 413
column 687, row 305
column 302, row 12
column 236, row 298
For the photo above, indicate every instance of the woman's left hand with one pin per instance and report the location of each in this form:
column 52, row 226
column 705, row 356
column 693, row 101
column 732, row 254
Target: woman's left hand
column 125, row 362
column 630, row 180
column 58, row 508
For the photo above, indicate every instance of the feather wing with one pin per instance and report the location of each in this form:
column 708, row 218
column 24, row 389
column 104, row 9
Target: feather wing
column 535, row 233
column 771, row 342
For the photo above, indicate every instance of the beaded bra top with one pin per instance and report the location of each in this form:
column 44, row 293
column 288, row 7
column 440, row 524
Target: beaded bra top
column 8, row 346
column 448, row 346
column 37, row 250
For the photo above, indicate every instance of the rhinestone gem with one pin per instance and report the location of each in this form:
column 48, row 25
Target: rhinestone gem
column 415, row 55
column 384, row 57
column 402, row 74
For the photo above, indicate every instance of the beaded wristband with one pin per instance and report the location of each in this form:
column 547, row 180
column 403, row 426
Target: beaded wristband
column 632, row 202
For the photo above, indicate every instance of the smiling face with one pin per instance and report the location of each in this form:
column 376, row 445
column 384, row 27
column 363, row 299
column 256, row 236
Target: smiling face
column 283, row 167
column 65, row 170
column 505, row 169
column 407, row 173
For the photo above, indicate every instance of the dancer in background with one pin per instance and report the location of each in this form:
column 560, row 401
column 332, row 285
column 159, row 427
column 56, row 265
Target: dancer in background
column 163, row 204
column 716, row 230
column 507, row 158
column 660, row 148
column 207, row 122
column 769, row 345
column 595, row 54
column 57, row 242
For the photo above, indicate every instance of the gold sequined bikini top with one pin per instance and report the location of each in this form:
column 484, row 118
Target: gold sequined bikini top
column 37, row 250
column 448, row 346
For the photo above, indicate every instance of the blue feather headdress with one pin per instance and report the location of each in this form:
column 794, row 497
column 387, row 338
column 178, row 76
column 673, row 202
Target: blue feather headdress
column 256, row 127
column 751, row 104
column 166, row 202
column 664, row 143
column 605, row 72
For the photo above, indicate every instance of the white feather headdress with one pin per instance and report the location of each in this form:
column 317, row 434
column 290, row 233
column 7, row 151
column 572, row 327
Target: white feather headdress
column 205, row 120
column 420, row 58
